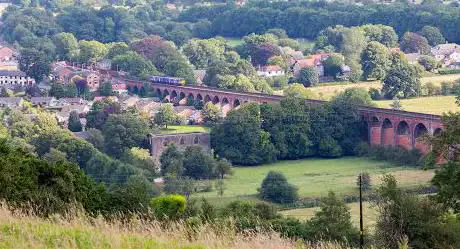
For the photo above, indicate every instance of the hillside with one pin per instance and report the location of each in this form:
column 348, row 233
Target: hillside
column 83, row 232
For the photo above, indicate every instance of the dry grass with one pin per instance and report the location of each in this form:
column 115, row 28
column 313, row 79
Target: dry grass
column 84, row 232
column 432, row 105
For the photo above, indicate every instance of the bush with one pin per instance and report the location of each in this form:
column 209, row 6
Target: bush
column 397, row 155
column 446, row 88
column 308, row 76
column 430, row 89
column 448, row 71
column 375, row 94
column 275, row 188
column 170, row 207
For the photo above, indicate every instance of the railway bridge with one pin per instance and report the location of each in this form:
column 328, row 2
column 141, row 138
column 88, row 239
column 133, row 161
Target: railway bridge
column 384, row 126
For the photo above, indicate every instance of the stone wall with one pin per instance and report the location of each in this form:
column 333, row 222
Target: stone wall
column 159, row 142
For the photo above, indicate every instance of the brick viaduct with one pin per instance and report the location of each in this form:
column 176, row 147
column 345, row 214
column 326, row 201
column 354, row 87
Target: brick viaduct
column 385, row 126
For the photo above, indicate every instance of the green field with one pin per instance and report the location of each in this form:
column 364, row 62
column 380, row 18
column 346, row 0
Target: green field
column 172, row 129
column 234, row 41
column 433, row 105
column 370, row 213
column 315, row 177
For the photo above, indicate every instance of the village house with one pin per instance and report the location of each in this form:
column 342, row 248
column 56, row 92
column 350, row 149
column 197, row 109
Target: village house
column 11, row 102
column 44, row 101
column 447, row 54
column 63, row 74
column 270, row 71
column 119, row 87
column 9, row 65
column 15, row 79
column 7, row 54
column 71, row 101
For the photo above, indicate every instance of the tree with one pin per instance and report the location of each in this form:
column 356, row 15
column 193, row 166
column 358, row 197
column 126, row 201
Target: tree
column 433, row 35
column 375, row 61
column 239, row 82
column 298, row 91
column 396, row 104
column 404, row 215
column 4, row 92
column 428, row 62
column 223, row 167
column 211, row 113
column 66, row 46
column 180, row 68
column 220, row 186
column 74, row 122
column 165, row 116
column 97, row 116
column 70, row 90
column 96, row 138
column 203, row 53
column 333, row 65
column 404, row 80
column 168, row 207
column 262, row 52
column 34, row 63
column 357, row 96
column 116, row 49
column 172, row 161
column 446, row 180
column 414, row 43
column 385, row 35
column 308, row 76
column 134, row 64
column 276, row 188
column 198, row 164
column 239, row 137
column 105, row 89
column 280, row 33
column 333, row 221
column 92, row 51
column 123, row 131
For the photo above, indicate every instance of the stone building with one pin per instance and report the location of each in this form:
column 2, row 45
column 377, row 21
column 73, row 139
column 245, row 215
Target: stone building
column 159, row 142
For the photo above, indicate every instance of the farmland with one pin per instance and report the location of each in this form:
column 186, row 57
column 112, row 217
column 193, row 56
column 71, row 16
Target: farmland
column 315, row 177
column 172, row 129
column 433, row 105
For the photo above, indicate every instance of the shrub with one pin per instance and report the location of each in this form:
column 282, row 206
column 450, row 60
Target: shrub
column 365, row 181
column 308, row 76
column 430, row 89
column 171, row 206
column 448, row 71
column 375, row 94
column 446, row 88
column 275, row 188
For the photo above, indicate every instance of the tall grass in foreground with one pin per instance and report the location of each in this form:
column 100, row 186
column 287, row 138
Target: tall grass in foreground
column 80, row 231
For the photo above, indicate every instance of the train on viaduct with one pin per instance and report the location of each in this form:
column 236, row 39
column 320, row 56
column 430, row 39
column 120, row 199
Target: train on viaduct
column 384, row 126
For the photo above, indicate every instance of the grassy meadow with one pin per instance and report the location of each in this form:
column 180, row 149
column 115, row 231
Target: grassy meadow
column 433, row 105
column 370, row 213
column 316, row 177
column 82, row 232
column 172, row 129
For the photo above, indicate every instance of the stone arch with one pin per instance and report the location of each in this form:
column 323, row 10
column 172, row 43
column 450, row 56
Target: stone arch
column 236, row 103
column 403, row 128
column 375, row 120
column 207, row 98
column 365, row 132
column 199, row 97
column 190, row 99
column 225, row 101
column 136, row 90
column 420, row 130
column 165, row 93
column 158, row 92
column 215, row 100
column 129, row 88
column 374, row 130
column 387, row 132
column 437, row 132
column 173, row 94
column 403, row 135
column 181, row 95
column 196, row 140
column 182, row 141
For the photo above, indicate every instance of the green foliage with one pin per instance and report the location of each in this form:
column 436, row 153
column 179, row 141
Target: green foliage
column 198, row 164
column 74, row 122
column 385, row 35
column 165, row 116
column 365, row 180
column 396, row 155
column 203, row 53
column 99, row 113
column 414, row 43
column 355, row 96
column 332, row 65
column 403, row 215
column 171, row 161
column 444, row 71
column 433, row 35
column 211, row 113
column 134, row 64
column 66, row 46
column 375, row 60
column 34, row 63
column 275, row 188
column 240, row 139
column 91, row 51
column 333, row 221
column 402, row 80
column 122, row 131
column 298, row 91
column 170, row 207
column 105, row 89
column 428, row 62
column 308, row 76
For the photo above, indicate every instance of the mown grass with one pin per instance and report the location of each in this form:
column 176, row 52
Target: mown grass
column 433, row 105
column 172, row 129
column 316, row 177
column 83, row 232
column 370, row 214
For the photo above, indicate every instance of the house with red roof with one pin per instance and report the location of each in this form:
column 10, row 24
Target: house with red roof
column 315, row 61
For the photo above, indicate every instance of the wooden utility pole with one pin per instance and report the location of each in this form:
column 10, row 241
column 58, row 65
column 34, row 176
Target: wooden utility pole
column 361, row 229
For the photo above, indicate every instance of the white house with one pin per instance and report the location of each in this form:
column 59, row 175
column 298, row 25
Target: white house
column 270, row 71
column 15, row 78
